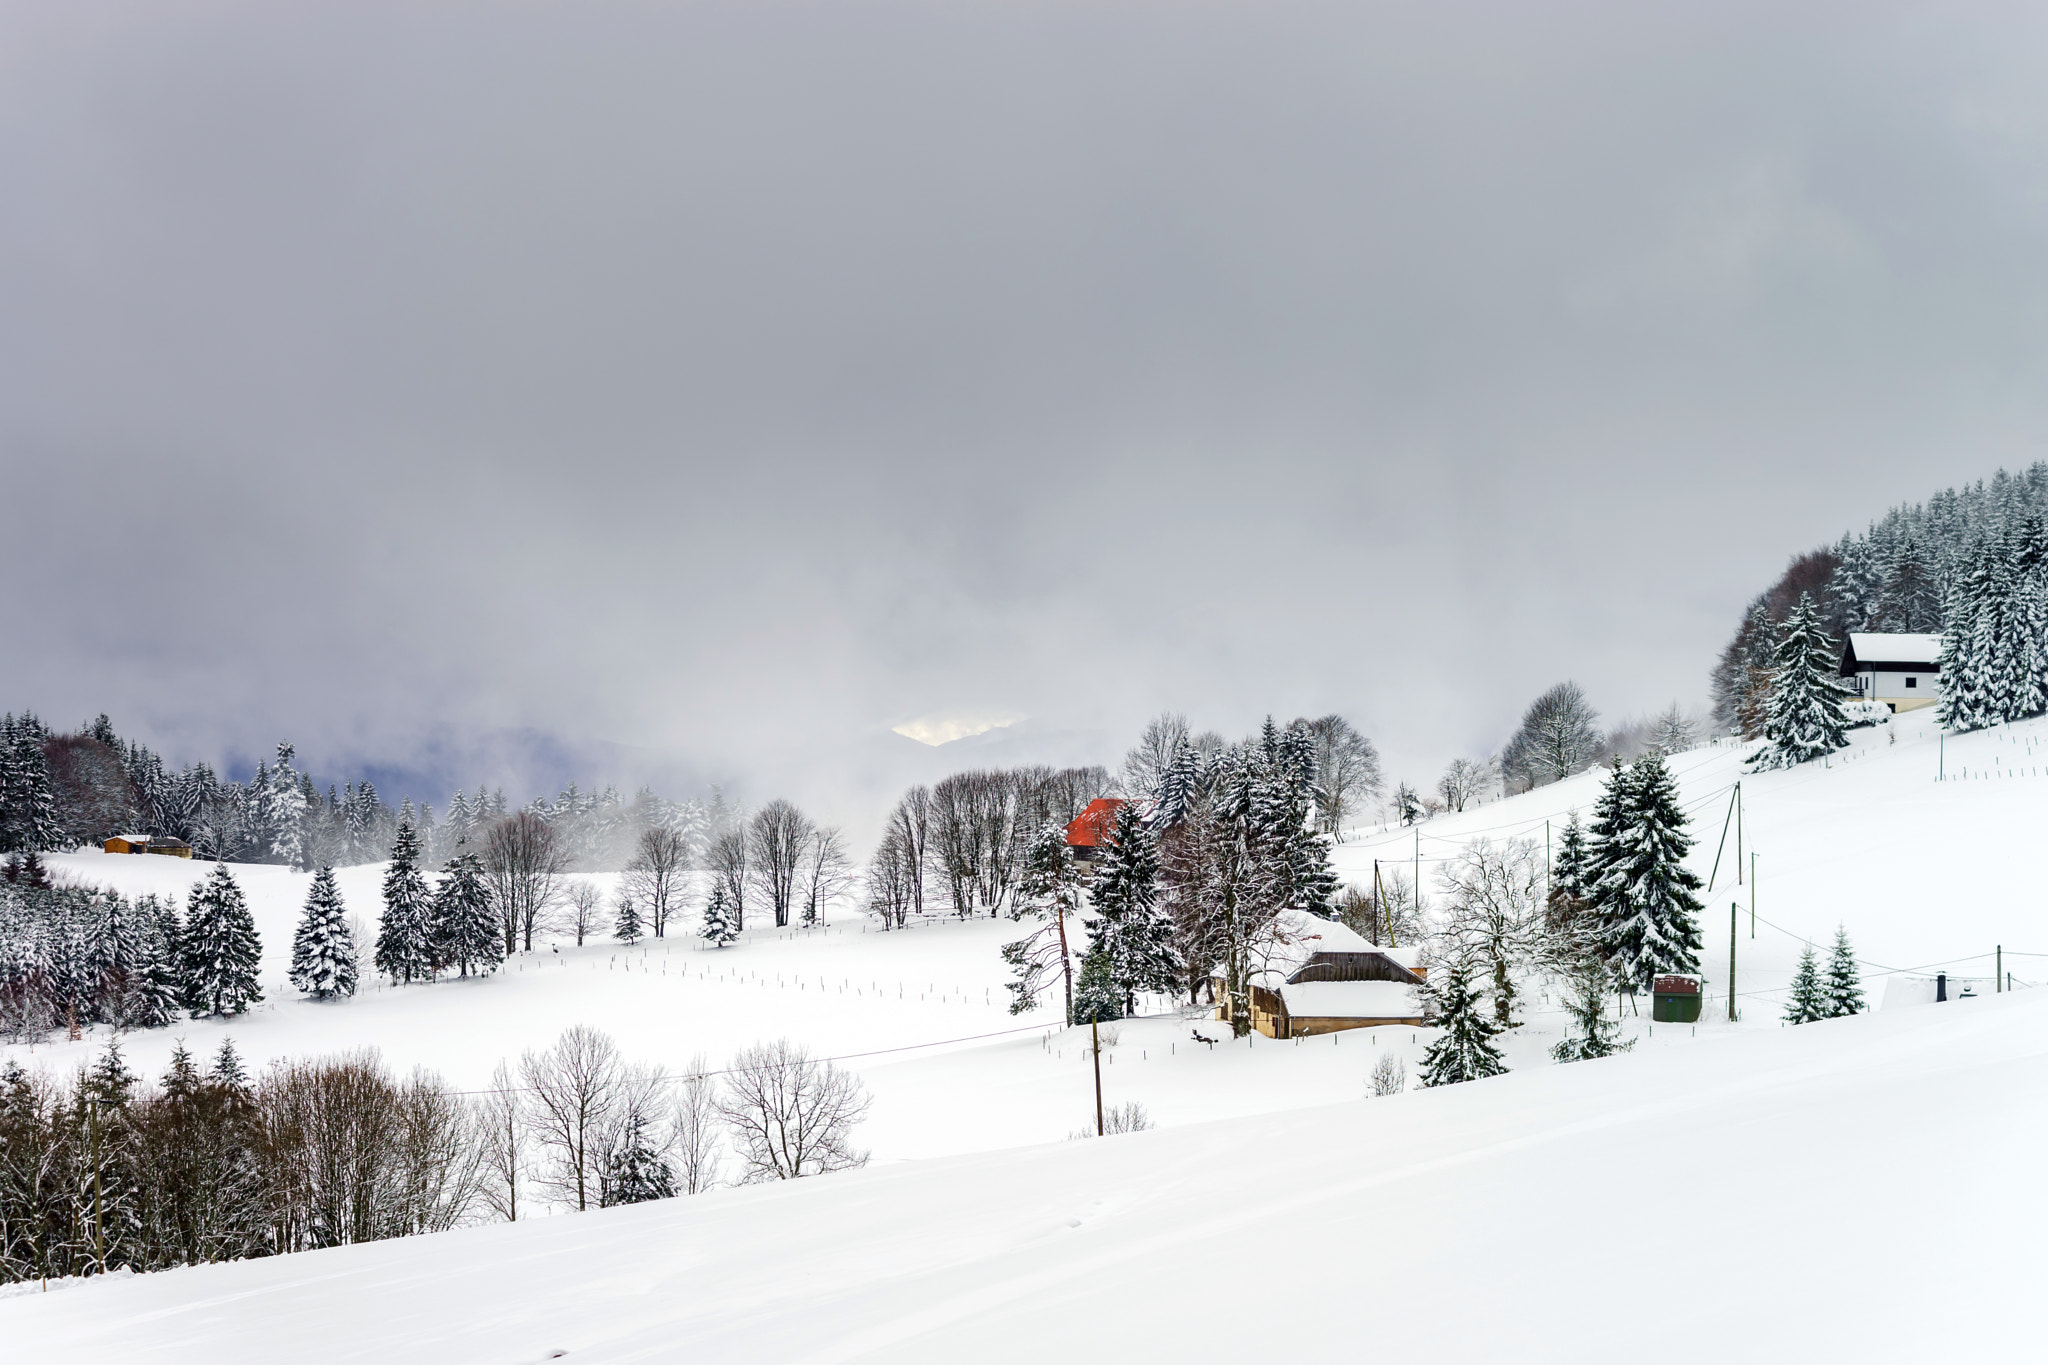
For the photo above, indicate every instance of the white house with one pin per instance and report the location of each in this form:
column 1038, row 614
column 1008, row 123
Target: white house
column 1902, row 671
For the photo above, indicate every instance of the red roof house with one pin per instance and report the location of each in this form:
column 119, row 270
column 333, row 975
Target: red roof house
column 1088, row 832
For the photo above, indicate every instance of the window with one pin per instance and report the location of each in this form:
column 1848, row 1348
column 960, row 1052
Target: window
column 1912, row 682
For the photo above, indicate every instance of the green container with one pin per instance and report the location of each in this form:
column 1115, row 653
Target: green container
column 1676, row 1009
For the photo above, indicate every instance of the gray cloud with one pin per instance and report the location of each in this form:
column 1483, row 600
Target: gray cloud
column 738, row 381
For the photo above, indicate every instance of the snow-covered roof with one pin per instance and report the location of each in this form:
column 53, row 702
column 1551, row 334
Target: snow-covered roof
column 1351, row 1000
column 1877, row 647
column 131, row 838
column 1299, row 936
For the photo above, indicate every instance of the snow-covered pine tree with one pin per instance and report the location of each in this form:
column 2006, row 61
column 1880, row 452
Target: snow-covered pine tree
column 28, row 808
column 153, row 987
column 1129, row 927
column 323, row 950
column 1097, row 998
column 405, row 946
column 1176, row 785
column 634, row 1172
column 1465, row 1050
column 1808, row 998
column 1645, row 905
column 1804, row 719
column 467, row 931
column 228, row 1071
column 719, row 927
column 1844, row 984
column 1591, row 1033
column 1571, row 883
column 627, row 928
column 1050, row 891
column 1964, row 701
column 219, row 951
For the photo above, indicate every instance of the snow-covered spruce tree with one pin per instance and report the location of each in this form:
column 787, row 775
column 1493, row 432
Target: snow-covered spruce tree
column 1097, row 998
column 405, row 946
column 219, row 951
column 1129, row 927
column 1050, row 892
column 1804, row 719
column 153, row 997
column 323, row 950
column 1844, row 984
column 1807, row 1001
column 1965, row 702
column 627, row 928
column 633, row 1171
column 720, row 928
column 228, row 1071
column 28, row 808
column 468, row 933
column 1465, row 1050
column 1646, row 904
column 1571, row 884
column 1591, row 1033
column 1176, row 784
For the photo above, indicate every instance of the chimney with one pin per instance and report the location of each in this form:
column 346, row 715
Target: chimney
column 1940, row 987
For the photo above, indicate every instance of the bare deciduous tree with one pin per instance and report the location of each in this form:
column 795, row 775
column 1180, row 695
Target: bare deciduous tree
column 501, row 1133
column 789, row 1115
column 1466, row 779
column 521, row 865
column 1347, row 771
column 658, row 875
column 1494, row 917
column 585, row 901
column 778, row 833
column 575, row 1088
column 1557, row 738
column 694, row 1128
column 1143, row 766
column 730, row 858
column 895, row 880
column 826, row 872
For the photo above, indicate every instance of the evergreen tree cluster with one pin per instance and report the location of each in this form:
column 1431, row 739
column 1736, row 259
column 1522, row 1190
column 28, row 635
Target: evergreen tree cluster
column 1802, row 714
column 1967, row 563
column 69, row 955
column 62, row 790
column 1833, row 992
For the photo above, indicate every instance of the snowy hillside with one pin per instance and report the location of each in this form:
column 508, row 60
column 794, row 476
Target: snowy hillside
column 1777, row 1195
column 1926, row 849
column 1924, row 873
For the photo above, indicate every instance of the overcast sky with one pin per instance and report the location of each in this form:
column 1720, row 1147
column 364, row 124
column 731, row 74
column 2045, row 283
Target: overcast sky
column 742, row 380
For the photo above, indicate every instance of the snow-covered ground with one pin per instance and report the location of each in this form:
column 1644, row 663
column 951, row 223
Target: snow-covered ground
column 1921, row 872
column 1865, row 1189
column 1855, row 1189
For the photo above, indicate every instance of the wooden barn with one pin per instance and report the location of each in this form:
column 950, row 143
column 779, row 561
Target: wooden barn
column 1900, row 670
column 146, row 843
column 1322, row 977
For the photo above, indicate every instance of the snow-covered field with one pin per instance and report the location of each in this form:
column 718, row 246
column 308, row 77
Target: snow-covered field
column 1741, row 1189
column 1865, row 1189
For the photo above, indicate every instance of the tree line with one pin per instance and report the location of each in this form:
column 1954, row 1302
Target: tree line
column 65, row 790
column 106, row 1171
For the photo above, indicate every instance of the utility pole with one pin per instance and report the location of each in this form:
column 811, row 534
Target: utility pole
column 1095, row 1041
column 1418, row 872
column 1999, row 987
column 1738, row 833
column 1733, row 910
column 1752, row 895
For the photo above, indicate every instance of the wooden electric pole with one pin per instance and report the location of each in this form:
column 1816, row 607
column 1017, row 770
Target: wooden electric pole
column 1733, row 911
column 1095, row 1039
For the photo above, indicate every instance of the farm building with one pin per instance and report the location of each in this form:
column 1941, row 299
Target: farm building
column 1088, row 832
column 1322, row 977
column 1902, row 671
column 145, row 843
